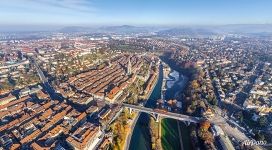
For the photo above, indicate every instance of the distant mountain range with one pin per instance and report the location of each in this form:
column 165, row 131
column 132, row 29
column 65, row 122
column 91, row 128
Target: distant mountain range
column 108, row 29
column 245, row 28
column 125, row 29
column 193, row 31
column 253, row 29
column 76, row 29
column 215, row 30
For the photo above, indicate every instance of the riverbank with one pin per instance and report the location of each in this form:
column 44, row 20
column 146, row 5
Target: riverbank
column 141, row 139
column 155, row 127
column 120, row 127
column 129, row 134
column 122, row 139
column 135, row 119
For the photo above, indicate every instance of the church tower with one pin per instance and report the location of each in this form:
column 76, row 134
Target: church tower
column 129, row 67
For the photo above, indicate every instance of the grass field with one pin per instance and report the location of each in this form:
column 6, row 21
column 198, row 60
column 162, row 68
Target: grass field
column 170, row 136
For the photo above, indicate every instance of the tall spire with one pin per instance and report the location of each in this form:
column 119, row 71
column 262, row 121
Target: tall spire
column 129, row 67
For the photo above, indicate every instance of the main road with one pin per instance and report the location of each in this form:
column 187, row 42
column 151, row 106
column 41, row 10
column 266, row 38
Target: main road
column 49, row 89
column 40, row 73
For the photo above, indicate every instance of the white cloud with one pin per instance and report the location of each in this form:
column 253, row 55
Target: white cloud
column 47, row 11
column 47, row 6
column 74, row 5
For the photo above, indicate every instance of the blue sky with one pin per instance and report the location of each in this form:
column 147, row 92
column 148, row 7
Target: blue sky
column 135, row 12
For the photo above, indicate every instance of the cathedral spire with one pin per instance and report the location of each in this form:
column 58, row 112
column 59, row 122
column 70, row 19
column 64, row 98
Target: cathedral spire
column 129, row 67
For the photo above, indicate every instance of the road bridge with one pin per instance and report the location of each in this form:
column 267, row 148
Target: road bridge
column 157, row 114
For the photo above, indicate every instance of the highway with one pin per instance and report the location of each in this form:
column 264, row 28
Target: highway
column 176, row 116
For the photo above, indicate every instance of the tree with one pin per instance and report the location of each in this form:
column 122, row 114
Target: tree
column 262, row 121
column 201, row 73
column 194, row 96
column 195, row 84
column 214, row 101
column 204, row 133
column 240, row 116
column 208, row 137
column 259, row 137
column 189, row 110
column 193, row 133
column 194, row 103
column 205, row 125
column 202, row 104
column 211, row 99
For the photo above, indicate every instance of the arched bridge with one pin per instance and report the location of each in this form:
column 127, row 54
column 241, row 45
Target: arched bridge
column 161, row 114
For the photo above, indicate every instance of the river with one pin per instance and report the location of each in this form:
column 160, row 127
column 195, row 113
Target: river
column 170, row 139
column 140, row 139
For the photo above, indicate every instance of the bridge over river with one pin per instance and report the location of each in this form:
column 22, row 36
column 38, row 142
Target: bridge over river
column 157, row 114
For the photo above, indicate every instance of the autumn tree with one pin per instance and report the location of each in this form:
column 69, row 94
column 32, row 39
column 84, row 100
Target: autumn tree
column 205, row 125
column 195, row 84
column 208, row 137
column 204, row 133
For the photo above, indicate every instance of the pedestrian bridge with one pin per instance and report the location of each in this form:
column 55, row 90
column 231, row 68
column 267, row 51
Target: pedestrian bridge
column 157, row 114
